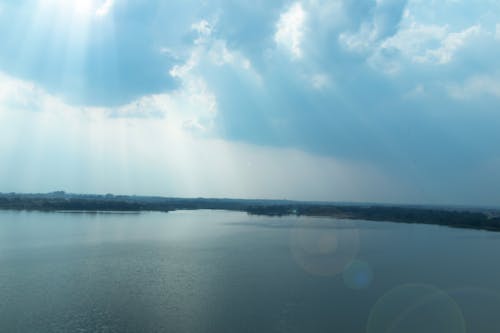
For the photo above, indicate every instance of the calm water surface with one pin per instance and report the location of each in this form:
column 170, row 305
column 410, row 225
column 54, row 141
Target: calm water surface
column 210, row 271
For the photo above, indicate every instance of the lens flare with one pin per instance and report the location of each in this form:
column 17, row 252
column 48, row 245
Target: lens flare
column 323, row 247
column 358, row 275
column 416, row 308
column 480, row 308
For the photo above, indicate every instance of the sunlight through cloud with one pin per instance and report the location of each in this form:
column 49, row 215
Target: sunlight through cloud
column 80, row 8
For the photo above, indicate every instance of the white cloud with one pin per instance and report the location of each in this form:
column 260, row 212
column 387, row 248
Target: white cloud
column 361, row 41
column 428, row 43
column 89, row 150
column 378, row 24
column 191, row 103
column 449, row 46
column 193, row 106
column 475, row 87
column 220, row 54
column 203, row 27
column 420, row 44
column 320, row 81
column 208, row 50
column 180, row 71
column 415, row 40
column 20, row 95
column 104, row 9
column 290, row 30
column 204, row 30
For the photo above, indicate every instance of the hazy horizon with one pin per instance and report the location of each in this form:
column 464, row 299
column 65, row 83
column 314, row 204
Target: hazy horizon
column 355, row 203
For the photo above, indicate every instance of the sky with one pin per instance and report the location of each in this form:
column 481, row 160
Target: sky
column 391, row 101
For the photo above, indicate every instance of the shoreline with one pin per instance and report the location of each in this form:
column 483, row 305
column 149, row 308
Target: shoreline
column 60, row 202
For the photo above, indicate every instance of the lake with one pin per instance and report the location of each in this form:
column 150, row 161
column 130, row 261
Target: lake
column 214, row 271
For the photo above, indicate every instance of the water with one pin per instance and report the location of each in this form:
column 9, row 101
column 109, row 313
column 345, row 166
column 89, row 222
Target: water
column 210, row 271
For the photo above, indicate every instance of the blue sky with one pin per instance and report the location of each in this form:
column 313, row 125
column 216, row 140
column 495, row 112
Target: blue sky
column 386, row 100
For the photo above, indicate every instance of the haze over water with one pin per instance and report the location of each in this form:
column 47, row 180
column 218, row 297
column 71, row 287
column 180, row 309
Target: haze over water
column 212, row 271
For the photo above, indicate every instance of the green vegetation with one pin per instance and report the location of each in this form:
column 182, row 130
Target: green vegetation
column 60, row 201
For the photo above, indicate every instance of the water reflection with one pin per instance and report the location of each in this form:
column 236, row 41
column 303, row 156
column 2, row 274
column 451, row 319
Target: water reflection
column 209, row 271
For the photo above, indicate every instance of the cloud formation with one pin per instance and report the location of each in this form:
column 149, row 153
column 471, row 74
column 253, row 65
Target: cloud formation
column 290, row 30
column 406, row 88
column 92, row 150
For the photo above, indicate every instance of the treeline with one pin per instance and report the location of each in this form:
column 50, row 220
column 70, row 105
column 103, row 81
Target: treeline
column 454, row 218
column 76, row 202
column 60, row 201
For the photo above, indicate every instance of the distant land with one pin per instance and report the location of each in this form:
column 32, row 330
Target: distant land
column 459, row 217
